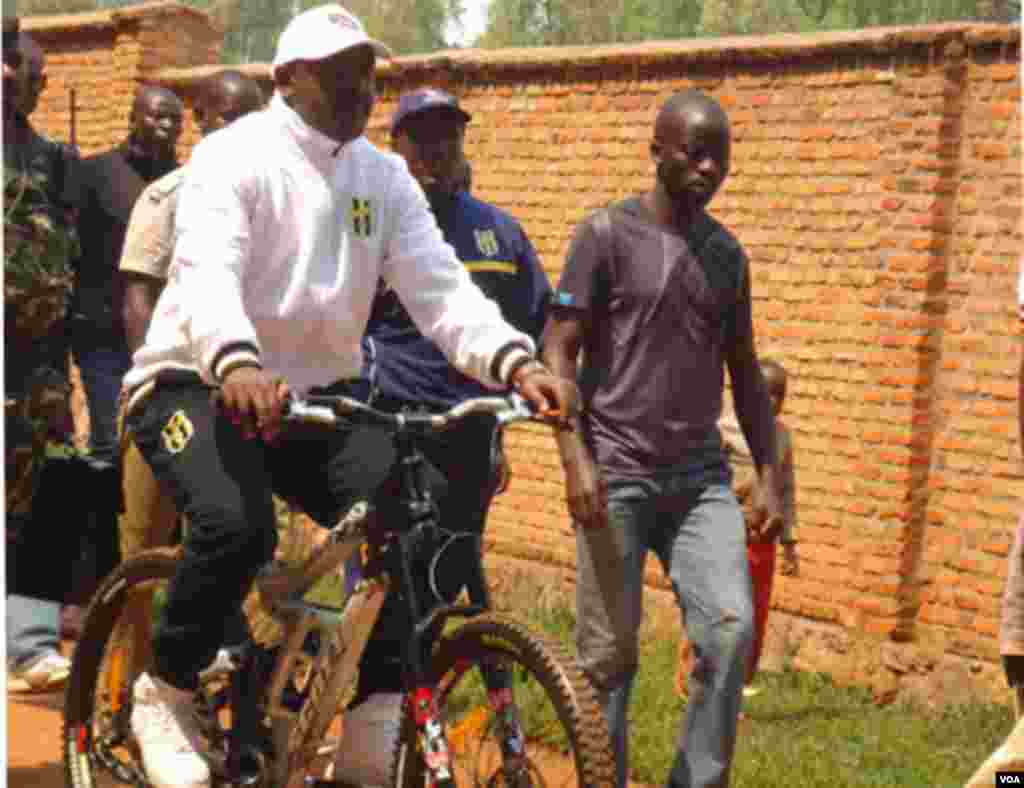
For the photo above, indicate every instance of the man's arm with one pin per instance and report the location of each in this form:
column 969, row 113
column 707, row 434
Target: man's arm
column 751, row 400
column 584, row 487
column 212, row 244
column 140, row 294
column 753, row 404
column 146, row 254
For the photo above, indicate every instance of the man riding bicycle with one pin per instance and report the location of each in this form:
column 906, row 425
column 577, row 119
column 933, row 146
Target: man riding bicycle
column 286, row 221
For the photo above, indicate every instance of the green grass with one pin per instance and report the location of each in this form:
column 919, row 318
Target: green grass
column 802, row 730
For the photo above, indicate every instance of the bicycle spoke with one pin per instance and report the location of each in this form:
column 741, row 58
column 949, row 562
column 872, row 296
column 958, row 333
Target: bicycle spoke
column 512, row 738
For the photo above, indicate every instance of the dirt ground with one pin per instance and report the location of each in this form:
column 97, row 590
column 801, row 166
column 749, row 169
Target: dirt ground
column 33, row 740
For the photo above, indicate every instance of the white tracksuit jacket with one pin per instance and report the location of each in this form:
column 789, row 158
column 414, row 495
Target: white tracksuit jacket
column 281, row 236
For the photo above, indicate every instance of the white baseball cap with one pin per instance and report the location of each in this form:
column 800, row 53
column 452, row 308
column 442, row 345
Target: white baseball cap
column 320, row 32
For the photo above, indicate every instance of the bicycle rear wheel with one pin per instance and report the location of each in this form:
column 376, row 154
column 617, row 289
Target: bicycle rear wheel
column 543, row 728
column 99, row 749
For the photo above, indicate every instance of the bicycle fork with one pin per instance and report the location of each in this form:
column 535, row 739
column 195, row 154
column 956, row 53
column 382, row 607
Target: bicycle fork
column 433, row 740
column 423, row 702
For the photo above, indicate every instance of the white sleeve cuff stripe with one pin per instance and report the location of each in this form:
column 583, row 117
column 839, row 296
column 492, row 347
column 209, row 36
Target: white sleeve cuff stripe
column 509, row 362
column 231, row 359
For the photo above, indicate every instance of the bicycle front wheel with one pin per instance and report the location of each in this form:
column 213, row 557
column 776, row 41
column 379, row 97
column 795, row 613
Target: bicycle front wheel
column 516, row 709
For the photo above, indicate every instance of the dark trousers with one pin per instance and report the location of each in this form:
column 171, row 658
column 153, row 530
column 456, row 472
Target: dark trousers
column 223, row 484
column 102, row 369
column 462, row 456
column 45, row 545
column 102, row 366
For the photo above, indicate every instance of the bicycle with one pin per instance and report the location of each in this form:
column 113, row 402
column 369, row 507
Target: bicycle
column 492, row 703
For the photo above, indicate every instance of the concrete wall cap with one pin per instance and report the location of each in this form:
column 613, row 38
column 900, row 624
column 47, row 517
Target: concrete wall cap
column 112, row 17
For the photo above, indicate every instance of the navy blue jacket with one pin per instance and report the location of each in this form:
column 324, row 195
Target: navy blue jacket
column 400, row 362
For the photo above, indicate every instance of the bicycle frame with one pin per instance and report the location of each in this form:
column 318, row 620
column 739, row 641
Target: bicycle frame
column 346, row 632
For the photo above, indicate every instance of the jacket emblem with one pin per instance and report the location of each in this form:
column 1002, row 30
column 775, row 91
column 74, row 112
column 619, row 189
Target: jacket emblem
column 486, row 242
column 362, row 217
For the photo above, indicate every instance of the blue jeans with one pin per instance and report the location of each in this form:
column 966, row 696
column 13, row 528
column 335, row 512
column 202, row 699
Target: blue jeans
column 33, row 627
column 699, row 536
column 102, row 369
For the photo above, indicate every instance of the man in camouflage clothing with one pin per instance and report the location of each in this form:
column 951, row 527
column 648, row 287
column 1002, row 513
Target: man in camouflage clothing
column 38, row 178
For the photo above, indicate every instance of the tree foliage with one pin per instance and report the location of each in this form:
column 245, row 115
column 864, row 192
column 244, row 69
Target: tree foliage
column 413, row 26
column 561, row 22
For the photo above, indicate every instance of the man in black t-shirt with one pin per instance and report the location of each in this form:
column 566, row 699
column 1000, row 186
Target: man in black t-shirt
column 111, row 182
column 656, row 294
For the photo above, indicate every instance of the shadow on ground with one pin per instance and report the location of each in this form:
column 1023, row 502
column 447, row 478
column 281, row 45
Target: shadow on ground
column 47, row 775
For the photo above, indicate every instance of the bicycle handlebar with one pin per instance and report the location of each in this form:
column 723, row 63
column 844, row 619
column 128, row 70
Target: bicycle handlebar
column 333, row 411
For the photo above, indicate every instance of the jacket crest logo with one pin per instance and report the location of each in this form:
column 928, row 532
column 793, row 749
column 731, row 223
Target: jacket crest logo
column 486, row 242
column 177, row 432
column 362, row 217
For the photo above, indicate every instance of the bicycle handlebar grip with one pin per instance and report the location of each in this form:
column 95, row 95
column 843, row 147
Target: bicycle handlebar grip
column 294, row 410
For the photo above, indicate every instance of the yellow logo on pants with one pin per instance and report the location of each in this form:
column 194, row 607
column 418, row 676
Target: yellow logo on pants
column 177, row 432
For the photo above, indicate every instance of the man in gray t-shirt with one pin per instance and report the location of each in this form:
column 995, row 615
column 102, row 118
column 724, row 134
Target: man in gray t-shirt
column 656, row 295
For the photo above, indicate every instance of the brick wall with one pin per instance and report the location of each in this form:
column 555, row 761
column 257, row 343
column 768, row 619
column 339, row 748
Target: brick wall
column 95, row 62
column 104, row 55
column 877, row 189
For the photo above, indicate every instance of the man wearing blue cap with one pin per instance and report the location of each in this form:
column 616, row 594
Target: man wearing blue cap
column 275, row 266
column 406, row 369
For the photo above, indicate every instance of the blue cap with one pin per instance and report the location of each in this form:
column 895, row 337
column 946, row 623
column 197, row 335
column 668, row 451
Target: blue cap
column 422, row 100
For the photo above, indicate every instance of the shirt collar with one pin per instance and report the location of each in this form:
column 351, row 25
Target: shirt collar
column 315, row 144
column 150, row 167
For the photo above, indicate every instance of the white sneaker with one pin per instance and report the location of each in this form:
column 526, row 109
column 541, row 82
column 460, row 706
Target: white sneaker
column 166, row 728
column 222, row 665
column 42, row 674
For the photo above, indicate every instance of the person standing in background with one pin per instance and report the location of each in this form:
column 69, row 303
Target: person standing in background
column 761, row 542
column 149, row 518
column 111, row 183
column 407, row 370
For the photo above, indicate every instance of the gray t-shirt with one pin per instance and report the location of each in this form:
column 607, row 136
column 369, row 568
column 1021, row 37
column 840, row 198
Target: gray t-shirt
column 664, row 309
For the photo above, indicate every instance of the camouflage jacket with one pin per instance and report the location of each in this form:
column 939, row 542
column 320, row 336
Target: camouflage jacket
column 39, row 241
